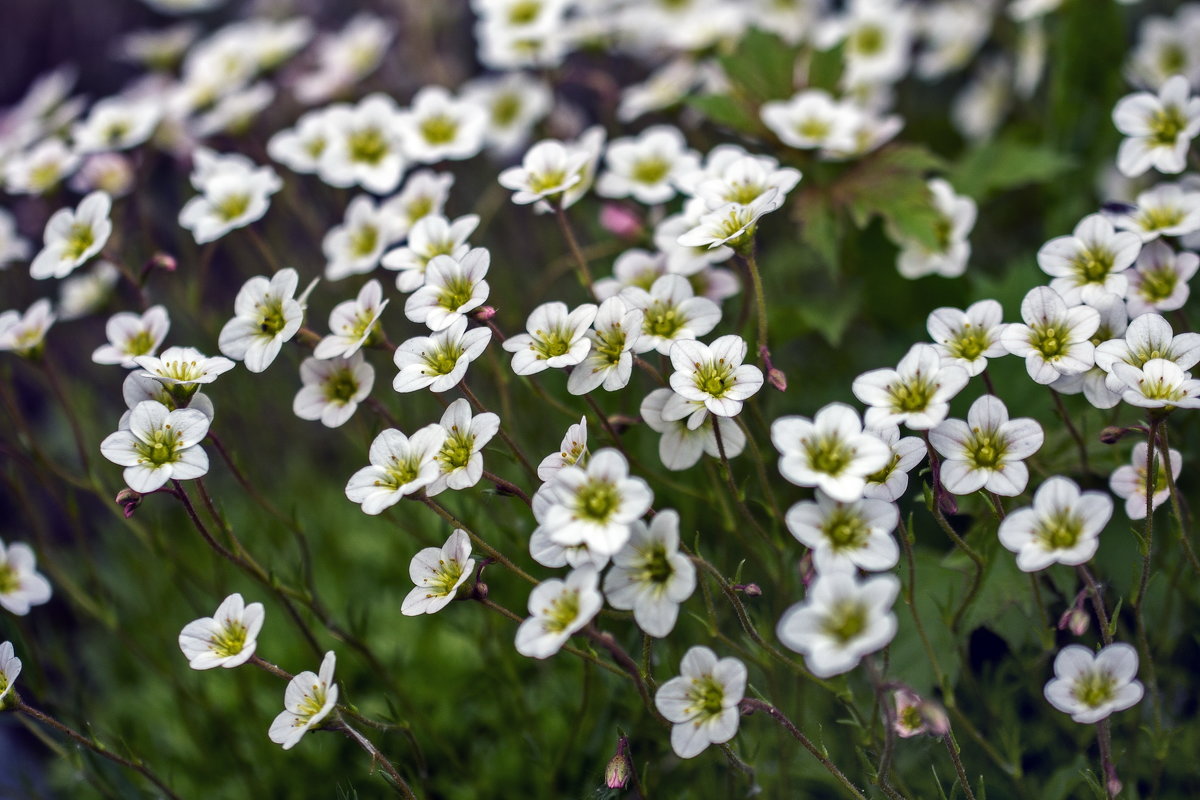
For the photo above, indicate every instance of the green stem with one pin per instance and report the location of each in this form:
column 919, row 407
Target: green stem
column 499, row 557
column 581, row 265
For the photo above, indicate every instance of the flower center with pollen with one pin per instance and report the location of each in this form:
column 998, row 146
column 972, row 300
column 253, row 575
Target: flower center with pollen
column 562, row 612
column 9, row 582
column 1166, row 125
column 367, row 146
column 161, row 449
column 232, row 206
column 1094, row 688
column 439, row 129
column 443, row 582
column 707, row 696
column 341, row 387
column 828, row 454
column 714, row 378
column 845, row 530
column 230, row 641
column 845, row 621
column 597, row 501
column 551, row 344
column 79, row 239
column 456, row 452
column 1061, row 530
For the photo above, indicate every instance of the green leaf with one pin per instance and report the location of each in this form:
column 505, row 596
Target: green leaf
column 1006, row 164
column 820, row 227
column 724, row 110
column 892, row 184
column 761, row 67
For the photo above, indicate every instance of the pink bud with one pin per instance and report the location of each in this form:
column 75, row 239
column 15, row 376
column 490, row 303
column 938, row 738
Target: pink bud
column 484, row 313
column 749, row 589
column 164, row 261
column 776, row 378
column 129, row 500
column 621, row 220
column 616, row 774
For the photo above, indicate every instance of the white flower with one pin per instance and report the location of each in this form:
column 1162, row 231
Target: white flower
column 891, row 482
column 432, row 235
column 988, row 450
column 702, row 703
column 226, row 639
column 230, row 198
column 453, row 288
column 1159, row 383
column 733, row 224
column 345, row 57
column 86, row 292
column 1129, row 480
column 1091, row 686
column 840, row 621
column 712, row 374
column 548, row 169
column 460, row 458
column 555, row 338
column 1169, row 209
column 365, row 146
column 968, row 338
column 183, row 370
column 1055, row 339
column 160, row 445
column 1092, row 261
column 514, row 102
column 438, row 572
column 24, row 334
column 41, row 168
column 878, row 37
column 72, row 236
column 609, row 363
column 12, row 246
column 265, row 316
column 845, row 536
column 1158, row 280
column 400, row 465
column 1160, row 128
column 355, row 246
column 106, row 172
column 1062, row 527
column 595, row 505
column 424, row 194
column 1147, row 337
column 299, row 148
column 139, row 387
column 830, row 451
column 558, row 609
column 949, row 258
column 10, row 668
column 570, row 451
column 811, row 120
column 650, row 576
column 333, row 388
column 131, row 335
column 671, row 312
column 440, row 361
column 681, row 446
column 438, row 127
column 352, row 323
column 308, row 699
column 645, row 167
column 916, row 393
column 731, row 175
column 21, row 585
column 116, row 123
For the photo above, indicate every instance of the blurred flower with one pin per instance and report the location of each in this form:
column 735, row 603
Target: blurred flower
column 160, row 48
column 702, row 702
column 1062, row 527
column 438, row 572
column 116, row 123
column 424, row 194
column 73, row 236
column 308, row 700
column 131, row 335
column 840, row 621
column 650, row 576
column 1091, row 686
column 183, row 6
column 12, row 246
column 364, row 145
column 265, row 316
column 41, row 168
column 647, row 167
column 949, row 257
column 158, row 446
column 400, row 465
column 356, row 246
column 301, row 146
column 21, row 585
column 233, row 195
column 344, row 58
column 85, row 292
column 24, row 334
column 438, row 127
column 812, row 120
column 112, row 173
column 440, row 361
column 558, row 609
column 333, row 388
column 10, row 668
column 226, row 639
column 514, row 102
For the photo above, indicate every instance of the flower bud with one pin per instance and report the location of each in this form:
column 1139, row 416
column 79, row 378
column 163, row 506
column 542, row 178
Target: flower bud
column 484, row 313
column 1076, row 620
column 776, row 378
column 620, row 220
column 616, row 774
column 164, row 261
column 749, row 589
column 129, row 500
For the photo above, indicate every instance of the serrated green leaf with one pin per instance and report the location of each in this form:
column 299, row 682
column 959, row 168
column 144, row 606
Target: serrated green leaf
column 762, row 66
column 724, row 110
column 1006, row 164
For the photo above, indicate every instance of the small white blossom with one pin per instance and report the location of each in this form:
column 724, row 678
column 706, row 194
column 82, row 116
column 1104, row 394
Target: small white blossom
column 681, row 446
column 307, row 701
column 609, row 363
column 364, row 146
column 453, row 288
column 41, row 168
column 265, row 316
column 891, row 482
column 21, row 585
column 400, row 466
column 1169, row 209
column 846, row 535
column 356, row 246
column 1158, row 383
column 1148, row 337
column 595, row 505
column 1055, row 338
column 1091, row 686
column 712, row 374
column 1129, row 480
column 949, row 258
column 547, row 171
column 130, row 335
column 1160, row 128
column 439, row 127
column 158, row 446
column 514, row 103
column 183, row 370
column 1091, row 261
column 840, row 621
column 830, row 451
column 646, row 167
column 231, row 197
column 353, row 323
column 461, row 457
column 226, row 639
column 1062, row 527
column 299, row 148
column 968, row 338
column 558, row 609
column 73, row 236
column 916, row 393
column 573, row 448
column 811, row 120
column 344, row 58
column 432, row 235
column 555, row 338
column 1158, row 280
column 650, row 576
column 438, row 573
column 10, row 668
column 671, row 312
column 732, row 224
column 333, row 388
column 987, row 451
column 25, row 334
column 440, row 361
column 424, row 194
column 702, row 703
column 116, row 123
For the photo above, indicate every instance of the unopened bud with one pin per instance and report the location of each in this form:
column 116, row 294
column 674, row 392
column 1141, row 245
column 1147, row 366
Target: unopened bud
column 749, row 589
column 1076, row 620
column 616, row 774
column 479, row 591
column 164, row 261
column 1114, row 785
column 776, row 378
column 484, row 313
column 936, row 720
column 1114, row 433
column 621, row 220
column 129, row 500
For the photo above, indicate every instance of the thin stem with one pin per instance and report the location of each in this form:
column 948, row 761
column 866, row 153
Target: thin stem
column 575, row 651
column 1182, row 518
column 399, row 783
column 507, row 487
column 1070, row 426
column 911, row 602
column 263, row 249
column 581, row 265
column 760, row 299
column 267, row 666
column 72, row 420
column 1104, row 739
column 727, row 471
column 609, row 643
column 95, row 747
column 889, row 726
column 1097, row 603
column 955, row 756
column 512, row 445
column 749, row 705
column 500, row 558
column 976, row 559
column 604, row 421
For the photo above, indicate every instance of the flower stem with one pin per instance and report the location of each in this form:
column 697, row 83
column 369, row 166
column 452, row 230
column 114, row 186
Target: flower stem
column 760, row 300
column 1070, row 426
column 500, row 558
column 1112, row 785
column 512, row 445
column 507, row 487
column 72, row 420
column 749, row 705
column 1097, row 603
column 95, row 747
column 609, row 643
column 581, row 265
column 956, row 757
column 727, row 472
column 1182, row 518
column 401, row 786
